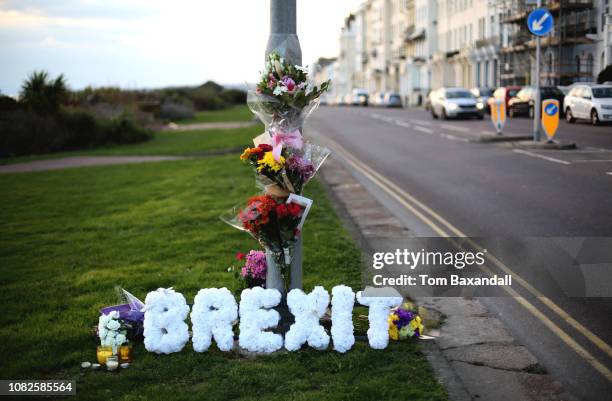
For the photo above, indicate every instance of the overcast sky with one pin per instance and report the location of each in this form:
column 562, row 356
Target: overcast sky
column 152, row 43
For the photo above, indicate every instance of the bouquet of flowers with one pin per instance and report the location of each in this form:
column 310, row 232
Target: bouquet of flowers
column 287, row 166
column 253, row 273
column 111, row 331
column 283, row 162
column 283, row 91
column 274, row 224
column 404, row 324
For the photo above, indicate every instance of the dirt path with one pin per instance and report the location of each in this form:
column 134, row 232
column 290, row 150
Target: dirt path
column 80, row 161
column 205, row 126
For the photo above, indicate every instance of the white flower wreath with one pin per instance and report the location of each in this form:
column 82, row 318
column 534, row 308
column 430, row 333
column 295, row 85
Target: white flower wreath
column 342, row 331
column 378, row 333
column 255, row 316
column 308, row 309
column 165, row 330
column 214, row 311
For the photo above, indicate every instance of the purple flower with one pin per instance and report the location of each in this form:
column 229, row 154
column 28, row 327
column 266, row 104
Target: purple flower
column 255, row 266
column 289, row 83
column 404, row 317
column 301, row 165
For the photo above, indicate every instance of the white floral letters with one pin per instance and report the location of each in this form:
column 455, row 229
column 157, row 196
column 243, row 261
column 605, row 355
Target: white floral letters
column 256, row 316
column 343, row 300
column 165, row 330
column 307, row 309
column 214, row 310
column 380, row 306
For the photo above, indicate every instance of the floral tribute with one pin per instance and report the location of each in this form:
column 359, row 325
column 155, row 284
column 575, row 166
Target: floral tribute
column 404, row 324
column 282, row 159
column 253, row 273
column 111, row 331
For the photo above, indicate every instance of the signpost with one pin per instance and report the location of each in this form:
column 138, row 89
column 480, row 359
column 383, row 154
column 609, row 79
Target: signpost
column 540, row 23
column 498, row 114
column 550, row 117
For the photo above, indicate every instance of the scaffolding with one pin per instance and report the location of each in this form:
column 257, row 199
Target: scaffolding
column 575, row 22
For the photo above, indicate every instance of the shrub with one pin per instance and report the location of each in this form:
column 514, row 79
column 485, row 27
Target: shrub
column 605, row 75
column 43, row 95
column 234, row 96
column 23, row 132
column 175, row 111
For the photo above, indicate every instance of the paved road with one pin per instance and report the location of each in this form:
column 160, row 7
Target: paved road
column 494, row 190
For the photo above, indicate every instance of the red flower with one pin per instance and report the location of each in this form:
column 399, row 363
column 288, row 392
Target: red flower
column 281, row 210
column 265, row 147
column 294, row 209
column 240, row 255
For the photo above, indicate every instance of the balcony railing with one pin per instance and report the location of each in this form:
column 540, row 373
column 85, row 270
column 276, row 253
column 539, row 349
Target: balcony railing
column 492, row 41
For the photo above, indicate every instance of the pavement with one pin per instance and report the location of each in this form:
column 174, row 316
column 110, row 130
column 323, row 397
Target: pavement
column 421, row 177
column 80, row 161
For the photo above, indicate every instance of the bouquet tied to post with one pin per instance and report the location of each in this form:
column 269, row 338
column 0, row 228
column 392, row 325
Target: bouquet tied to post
column 282, row 160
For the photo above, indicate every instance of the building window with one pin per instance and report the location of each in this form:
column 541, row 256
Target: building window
column 589, row 65
column 486, row 73
column 478, row 74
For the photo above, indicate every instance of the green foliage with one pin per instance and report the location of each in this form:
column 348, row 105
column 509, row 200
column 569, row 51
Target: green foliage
column 605, row 75
column 231, row 114
column 42, row 94
column 23, row 132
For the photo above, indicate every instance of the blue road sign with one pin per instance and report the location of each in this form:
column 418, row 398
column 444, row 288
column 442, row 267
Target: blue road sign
column 540, row 21
column 551, row 109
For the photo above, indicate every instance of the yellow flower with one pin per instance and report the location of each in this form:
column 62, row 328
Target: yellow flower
column 393, row 331
column 246, row 154
column 417, row 324
column 269, row 162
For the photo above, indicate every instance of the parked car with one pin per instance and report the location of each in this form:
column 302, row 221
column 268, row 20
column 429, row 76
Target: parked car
column 428, row 98
column 378, row 99
column 506, row 93
column 392, row 100
column 483, row 95
column 359, row 97
column 589, row 103
column 523, row 102
column 456, row 102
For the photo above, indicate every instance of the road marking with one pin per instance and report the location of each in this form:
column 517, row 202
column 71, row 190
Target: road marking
column 539, row 156
column 454, row 138
column 423, row 129
column 402, row 123
column 394, row 191
column 592, row 161
column 454, row 128
column 609, row 172
column 424, row 122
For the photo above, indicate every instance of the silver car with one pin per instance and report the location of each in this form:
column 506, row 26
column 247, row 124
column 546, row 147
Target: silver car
column 456, row 103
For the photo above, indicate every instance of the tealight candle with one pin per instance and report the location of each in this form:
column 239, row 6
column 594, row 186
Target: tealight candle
column 112, row 363
column 95, row 366
column 125, row 365
column 85, row 365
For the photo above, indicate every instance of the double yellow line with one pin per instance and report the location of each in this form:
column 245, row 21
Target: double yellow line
column 444, row 228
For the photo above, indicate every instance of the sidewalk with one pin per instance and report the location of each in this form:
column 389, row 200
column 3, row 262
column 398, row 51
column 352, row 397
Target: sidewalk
column 474, row 357
column 80, row 161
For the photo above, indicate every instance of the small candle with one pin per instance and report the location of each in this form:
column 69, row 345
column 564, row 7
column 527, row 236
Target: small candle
column 95, row 366
column 111, row 365
column 125, row 365
column 102, row 353
column 85, row 365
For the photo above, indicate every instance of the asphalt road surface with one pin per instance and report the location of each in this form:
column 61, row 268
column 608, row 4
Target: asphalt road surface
column 434, row 178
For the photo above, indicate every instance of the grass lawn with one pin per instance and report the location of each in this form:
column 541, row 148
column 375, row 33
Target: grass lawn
column 235, row 113
column 68, row 237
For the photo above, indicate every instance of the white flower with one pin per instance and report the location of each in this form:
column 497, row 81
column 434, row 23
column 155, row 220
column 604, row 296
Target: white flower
column 256, row 316
column 342, row 331
column 278, row 90
column 113, row 325
column 307, row 309
column 213, row 314
column 378, row 333
column 114, row 314
column 164, row 328
column 279, row 68
column 120, row 339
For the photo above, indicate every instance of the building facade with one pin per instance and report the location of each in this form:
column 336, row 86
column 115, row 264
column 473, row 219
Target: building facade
column 413, row 46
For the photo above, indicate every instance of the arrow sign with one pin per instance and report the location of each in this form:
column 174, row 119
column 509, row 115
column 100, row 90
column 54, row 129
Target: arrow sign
column 550, row 117
column 540, row 22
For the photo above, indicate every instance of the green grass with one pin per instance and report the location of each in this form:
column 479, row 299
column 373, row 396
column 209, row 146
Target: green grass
column 68, row 237
column 236, row 113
